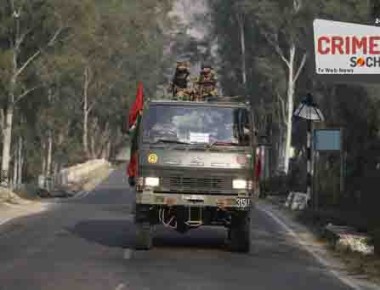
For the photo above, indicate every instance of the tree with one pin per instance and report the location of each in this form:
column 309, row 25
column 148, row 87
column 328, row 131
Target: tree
column 66, row 69
column 25, row 43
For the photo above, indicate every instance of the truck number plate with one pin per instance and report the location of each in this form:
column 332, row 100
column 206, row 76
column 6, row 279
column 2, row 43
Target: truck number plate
column 243, row 202
column 194, row 198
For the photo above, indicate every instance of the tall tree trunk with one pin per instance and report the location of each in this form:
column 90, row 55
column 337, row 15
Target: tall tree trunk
column 282, row 121
column 85, row 111
column 20, row 161
column 242, row 45
column 15, row 170
column 104, row 138
column 49, row 153
column 55, row 168
column 94, row 134
column 8, row 112
column 93, row 150
column 7, row 141
column 108, row 151
column 43, row 165
column 290, row 106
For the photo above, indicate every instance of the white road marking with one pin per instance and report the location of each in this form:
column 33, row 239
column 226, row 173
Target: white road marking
column 120, row 286
column 321, row 260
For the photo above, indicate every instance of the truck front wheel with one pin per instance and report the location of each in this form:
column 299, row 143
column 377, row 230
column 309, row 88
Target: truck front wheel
column 239, row 233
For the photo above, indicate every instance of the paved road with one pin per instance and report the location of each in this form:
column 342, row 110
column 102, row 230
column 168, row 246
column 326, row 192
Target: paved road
column 83, row 244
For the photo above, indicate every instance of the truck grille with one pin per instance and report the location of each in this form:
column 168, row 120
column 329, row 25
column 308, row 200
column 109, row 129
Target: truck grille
column 188, row 182
column 195, row 184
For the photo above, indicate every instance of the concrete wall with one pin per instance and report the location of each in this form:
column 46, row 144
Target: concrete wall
column 73, row 174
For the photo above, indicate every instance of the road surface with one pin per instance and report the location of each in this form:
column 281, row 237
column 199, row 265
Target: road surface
column 84, row 244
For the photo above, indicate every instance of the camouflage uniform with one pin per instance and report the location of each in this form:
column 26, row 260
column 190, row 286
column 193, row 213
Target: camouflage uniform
column 180, row 80
column 206, row 84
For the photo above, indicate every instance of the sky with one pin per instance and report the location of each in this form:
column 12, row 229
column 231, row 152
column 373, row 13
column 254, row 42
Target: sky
column 186, row 10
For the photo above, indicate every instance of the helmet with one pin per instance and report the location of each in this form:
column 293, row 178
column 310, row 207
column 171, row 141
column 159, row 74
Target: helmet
column 206, row 65
column 182, row 64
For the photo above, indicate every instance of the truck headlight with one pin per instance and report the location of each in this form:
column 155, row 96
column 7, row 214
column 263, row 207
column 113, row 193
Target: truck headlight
column 239, row 184
column 152, row 181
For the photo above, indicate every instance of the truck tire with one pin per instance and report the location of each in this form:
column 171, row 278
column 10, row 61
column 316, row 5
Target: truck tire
column 239, row 234
column 144, row 239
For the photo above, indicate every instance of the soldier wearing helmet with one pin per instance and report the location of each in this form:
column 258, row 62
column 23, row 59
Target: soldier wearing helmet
column 179, row 84
column 206, row 83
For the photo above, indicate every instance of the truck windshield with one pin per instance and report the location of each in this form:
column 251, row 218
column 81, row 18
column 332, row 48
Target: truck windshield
column 193, row 125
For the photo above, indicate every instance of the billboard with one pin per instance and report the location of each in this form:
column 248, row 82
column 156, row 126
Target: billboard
column 346, row 50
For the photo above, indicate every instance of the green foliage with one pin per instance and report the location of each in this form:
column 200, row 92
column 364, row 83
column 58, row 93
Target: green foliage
column 355, row 108
column 119, row 42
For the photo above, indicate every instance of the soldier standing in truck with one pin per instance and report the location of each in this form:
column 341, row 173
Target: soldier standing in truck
column 179, row 84
column 206, row 83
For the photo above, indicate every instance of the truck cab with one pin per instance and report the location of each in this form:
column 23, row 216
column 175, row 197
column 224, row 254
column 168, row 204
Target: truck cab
column 195, row 169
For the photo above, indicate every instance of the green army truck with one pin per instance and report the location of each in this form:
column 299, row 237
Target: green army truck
column 195, row 169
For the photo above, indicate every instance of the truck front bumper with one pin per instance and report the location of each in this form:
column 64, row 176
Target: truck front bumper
column 239, row 201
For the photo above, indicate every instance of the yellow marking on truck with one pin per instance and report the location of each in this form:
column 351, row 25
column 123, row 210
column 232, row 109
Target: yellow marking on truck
column 152, row 158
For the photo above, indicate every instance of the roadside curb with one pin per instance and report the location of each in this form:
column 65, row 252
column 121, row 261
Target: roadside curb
column 94, row 183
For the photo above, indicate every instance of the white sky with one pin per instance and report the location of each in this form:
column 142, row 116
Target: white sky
column 186, row 9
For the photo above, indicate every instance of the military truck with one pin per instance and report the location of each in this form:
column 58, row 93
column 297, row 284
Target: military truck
column 195, row 169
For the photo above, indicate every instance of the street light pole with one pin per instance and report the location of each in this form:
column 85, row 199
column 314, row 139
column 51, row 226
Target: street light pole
column 309, row 177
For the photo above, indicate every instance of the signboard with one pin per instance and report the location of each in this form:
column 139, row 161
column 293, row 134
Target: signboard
column 199, row 137
column 346, row 50
column 327, row 140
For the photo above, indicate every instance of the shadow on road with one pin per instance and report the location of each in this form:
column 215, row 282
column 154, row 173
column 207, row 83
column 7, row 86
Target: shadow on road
column 203, row 238
column 110, row 233
column 121, row 234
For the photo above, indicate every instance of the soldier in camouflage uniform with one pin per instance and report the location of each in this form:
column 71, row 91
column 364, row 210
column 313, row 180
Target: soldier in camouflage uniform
column 179, row 84
column 205, row 83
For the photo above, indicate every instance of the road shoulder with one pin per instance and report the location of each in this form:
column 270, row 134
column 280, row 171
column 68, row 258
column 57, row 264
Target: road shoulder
column 17, row 207
column 314, row 246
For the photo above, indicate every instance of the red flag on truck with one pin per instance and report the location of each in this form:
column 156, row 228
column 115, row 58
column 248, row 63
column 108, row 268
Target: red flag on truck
column 133, row 123
column 137, row 106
